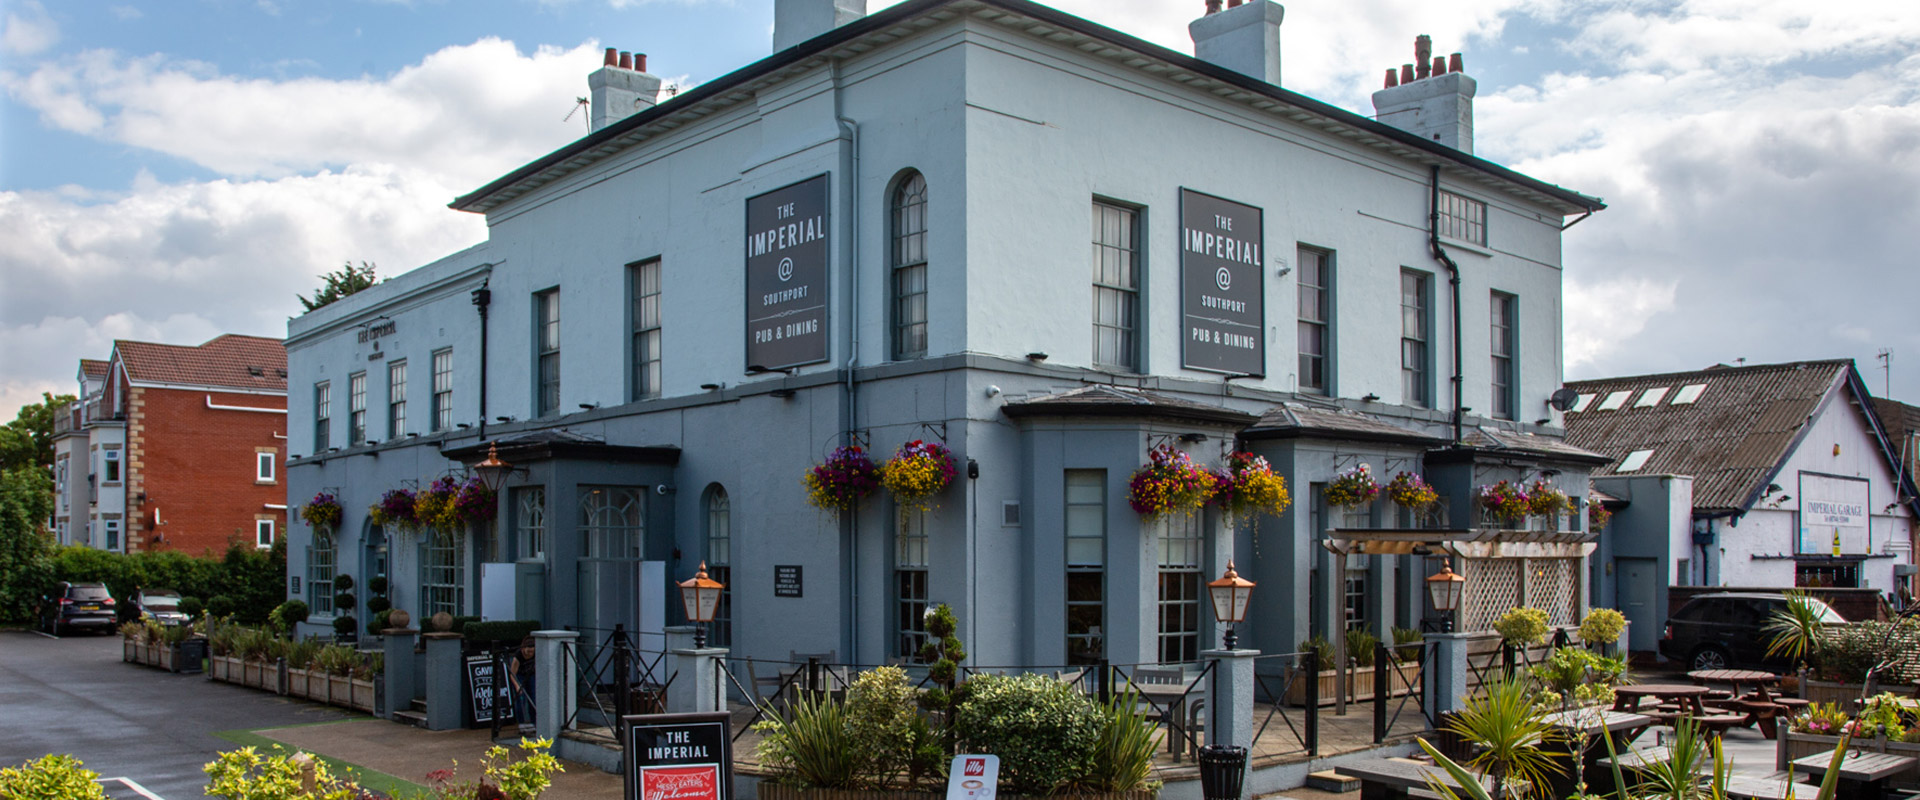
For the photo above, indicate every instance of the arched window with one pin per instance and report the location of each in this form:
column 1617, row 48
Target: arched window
column 909, row 257
column 320, row 563
column 719, row 558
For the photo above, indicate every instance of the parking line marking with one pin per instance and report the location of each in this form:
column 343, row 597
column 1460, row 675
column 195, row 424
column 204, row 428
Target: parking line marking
column 48, row 635
column 137, row 788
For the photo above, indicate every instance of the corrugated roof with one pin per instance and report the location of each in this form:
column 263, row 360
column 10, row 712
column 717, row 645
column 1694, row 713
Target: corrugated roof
column 1730, row 440
column 234, row 361
column 1301, row 419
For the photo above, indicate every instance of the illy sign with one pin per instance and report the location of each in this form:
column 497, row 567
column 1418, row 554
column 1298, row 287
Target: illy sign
column 973, row 777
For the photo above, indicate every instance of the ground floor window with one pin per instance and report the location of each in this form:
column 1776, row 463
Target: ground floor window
column 719, row 564
column 530, row 523
column 1181, row 545
column 320, row 562
column 910, row 584
column 1838, row 574
column 612, row 521
column 1355, row 593
column 443, row 574
column 1086, row 576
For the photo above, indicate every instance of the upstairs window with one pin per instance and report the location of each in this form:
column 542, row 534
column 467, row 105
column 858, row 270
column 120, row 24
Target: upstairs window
column 1315, row 283
column 396, row 399
column 1415, row 383
column 442, row 390
column 646, row 329
column 546, row 325
column 263, row 467
column 111, row 466
column 1502, row 344
column 1463, row 218
column 322, row 409
column 909, row 204
column 1116, row 288
column 356, row 408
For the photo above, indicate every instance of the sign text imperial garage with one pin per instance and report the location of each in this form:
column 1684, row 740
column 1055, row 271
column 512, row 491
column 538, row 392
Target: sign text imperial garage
column 787, row 249
column 1222, row 285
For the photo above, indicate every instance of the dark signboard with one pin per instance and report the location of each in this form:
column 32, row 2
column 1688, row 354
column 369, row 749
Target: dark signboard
column 786, row 580
column 678, row 757
column 787, row 251
column 488, row 691
column 1222, row 285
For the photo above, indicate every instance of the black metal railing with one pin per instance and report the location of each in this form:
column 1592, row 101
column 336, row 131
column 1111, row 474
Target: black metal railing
column 1167, row 694
column 1399, row 681
column 614, row 678
column 1289, row 680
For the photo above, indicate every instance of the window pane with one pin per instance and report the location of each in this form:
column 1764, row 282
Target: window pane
column 1115, row 294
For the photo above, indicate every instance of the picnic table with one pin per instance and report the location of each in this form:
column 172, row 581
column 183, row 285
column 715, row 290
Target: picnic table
column 1687, row 696
column 1760, row 679
column 1772, row 787
column 1863, row 776
column 1391, row 779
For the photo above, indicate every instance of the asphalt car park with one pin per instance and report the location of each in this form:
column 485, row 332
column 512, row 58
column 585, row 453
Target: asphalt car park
column 74, row 695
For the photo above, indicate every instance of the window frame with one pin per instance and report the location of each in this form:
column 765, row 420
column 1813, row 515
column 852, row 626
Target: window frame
column 110, row 528
column 912, row 560
column 1503, row 349
column 264, row 468
column 530, row 534
column 397, row 398
column 646, row 342
column 1418, row 379
column 357, row 408
column 449, row 596
column 324, row 552
column 1131, row 347
column 1462, row 218
column 1326, row 266
column 263, row 532
column 907, row 274
column 546, row 352
column 112, row 468
column 1179, row 625
column 1097, row 650
column 322, row 416
column 719, row 561
column 442, row 391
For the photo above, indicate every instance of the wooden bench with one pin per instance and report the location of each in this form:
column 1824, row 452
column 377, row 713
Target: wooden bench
column 1863, row 776
column 1396, row 780
column 1637, row 759
column 1771, row 787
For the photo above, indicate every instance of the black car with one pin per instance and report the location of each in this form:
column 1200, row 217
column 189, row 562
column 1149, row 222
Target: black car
column 77, row 606
column 1723, row 630
column 159, row 605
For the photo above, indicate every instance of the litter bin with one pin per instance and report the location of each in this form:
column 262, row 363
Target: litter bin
column 1223, row 768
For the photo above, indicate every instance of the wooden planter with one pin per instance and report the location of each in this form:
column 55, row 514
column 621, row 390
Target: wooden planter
column 163, row 656
column 318, row 686
column 361, row 695
column 224, row 668
column 340, row 690
column 1844, row 695
column 129, row 650
column 1800, row 745
column 773, row 791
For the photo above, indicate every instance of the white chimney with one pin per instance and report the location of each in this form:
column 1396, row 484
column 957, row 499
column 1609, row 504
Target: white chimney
column 1430, row 98
column 1245, row 37
column 621, row 88
column 795, row 21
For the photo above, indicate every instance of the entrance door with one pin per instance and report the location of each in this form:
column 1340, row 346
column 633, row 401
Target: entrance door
column 1638, row 586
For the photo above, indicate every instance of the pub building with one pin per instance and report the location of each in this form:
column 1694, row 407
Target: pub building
column 1046, row 244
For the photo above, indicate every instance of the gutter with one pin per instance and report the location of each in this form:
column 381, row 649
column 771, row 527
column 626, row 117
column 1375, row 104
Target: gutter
column 1440, row 254
column 216, row 407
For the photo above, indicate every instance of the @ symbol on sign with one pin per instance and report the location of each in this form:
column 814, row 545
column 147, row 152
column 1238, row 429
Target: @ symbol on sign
column 1223, row 278
column 786, row 269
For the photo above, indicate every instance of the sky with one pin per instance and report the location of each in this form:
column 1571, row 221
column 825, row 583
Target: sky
column 175, row 169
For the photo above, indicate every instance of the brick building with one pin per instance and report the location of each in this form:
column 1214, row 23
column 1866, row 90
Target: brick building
column 175, row 447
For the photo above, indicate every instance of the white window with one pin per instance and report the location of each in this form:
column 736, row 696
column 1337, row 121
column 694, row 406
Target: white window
column 1181, row 544
column 397, row 399
column 1582, row 402
column 530, row 522
column 443, row 574
column 910, row 584
column 1314, row 280
column 1634, row 461
column 1086, row 535
column 1687, row 394
column 1463, row 218
column 320, row 562
column 356, row 408
column 263, row 467
column 546, row 325
column 263, row 533
column 442, row 390
column 910, row 267
column 646, row 329
column 1116, row 288
column 113, row 534
column 1614, row 401
column 112, row 468
column 1651, row 397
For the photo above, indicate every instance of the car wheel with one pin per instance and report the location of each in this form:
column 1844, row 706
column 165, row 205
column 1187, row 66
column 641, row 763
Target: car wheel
column 1708, row 657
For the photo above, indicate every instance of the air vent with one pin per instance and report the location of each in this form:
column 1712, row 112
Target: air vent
column 1010, row 514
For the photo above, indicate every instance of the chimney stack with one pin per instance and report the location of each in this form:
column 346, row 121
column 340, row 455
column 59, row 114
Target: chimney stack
column 620, row 88
column 1244, row 38
column 1433, row 98
column 795, row 21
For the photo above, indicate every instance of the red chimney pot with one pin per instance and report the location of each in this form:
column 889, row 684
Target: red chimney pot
column 1393, row 77
column 1213, row 7
column 1406, row 73
column 640, row 62
column 1453, row 63
column 626, row 60
column 1439, row 65
column 613, row 60
column 1234, row 3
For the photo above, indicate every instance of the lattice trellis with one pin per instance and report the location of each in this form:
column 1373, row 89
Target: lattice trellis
column 1493, row 586
column 1551, row 585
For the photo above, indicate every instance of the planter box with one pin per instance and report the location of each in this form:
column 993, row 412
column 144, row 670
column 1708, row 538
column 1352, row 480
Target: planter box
column 163, row 656
column 129, row 650
column 772, row 791
column 1402, row 679
column 224, row 668
column 361, row 695
column 1799, row 745
column 297, row 684
column 1844, row 695
column 340, row 690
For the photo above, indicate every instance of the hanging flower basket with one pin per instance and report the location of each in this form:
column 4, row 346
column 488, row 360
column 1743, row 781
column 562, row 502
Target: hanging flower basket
column 1544, row 500
column 476, row 503
column 395, row 510
column 1353, row 488
column 1248, row 487
column 1597, row 516
column 322, row 512
column 1169, row 482
column 846, row 478
column 1408, row 490
column 918, row 471
column 437, row 506
column 1505, row 500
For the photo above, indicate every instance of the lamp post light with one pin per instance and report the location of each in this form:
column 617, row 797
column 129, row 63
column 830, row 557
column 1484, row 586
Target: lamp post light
column 1230, row 595
column 701, row 595
column 493, row 472
column 1444, row 588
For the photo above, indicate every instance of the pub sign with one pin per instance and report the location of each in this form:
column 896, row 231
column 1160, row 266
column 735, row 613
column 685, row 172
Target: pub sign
column 1222, row 285
column 787, row 251
column 678, row 757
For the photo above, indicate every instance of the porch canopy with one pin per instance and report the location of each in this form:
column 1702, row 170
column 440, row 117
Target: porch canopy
column 1503, row 568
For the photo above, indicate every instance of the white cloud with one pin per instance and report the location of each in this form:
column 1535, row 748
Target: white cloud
column 1602, row 313
column 125, row 13
column 27, row 30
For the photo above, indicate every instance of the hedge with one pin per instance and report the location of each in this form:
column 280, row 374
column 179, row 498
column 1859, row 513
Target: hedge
column 510, row 631
column 251, row 581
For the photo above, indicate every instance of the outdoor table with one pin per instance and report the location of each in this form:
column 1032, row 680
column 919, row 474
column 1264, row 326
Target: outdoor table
column 1627, row 698
column 1760, row 679
column 1389, row 779
column 1173, row 697
column 1862, row 775
column 1622, row 726
column 1774, row 788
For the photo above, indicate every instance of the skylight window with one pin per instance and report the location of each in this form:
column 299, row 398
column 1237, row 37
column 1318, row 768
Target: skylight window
column 1634, row 461
column 1584, row 401
column 1651, row 397
column 1614, row 401
column 1687, row 394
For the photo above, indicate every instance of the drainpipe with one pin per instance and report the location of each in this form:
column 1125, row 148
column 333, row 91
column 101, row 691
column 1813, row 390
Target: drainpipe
column 1453, row 270
column 850, row 392
column 482, row 297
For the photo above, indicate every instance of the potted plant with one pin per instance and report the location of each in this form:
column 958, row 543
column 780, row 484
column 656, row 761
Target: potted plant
column 322, row 513
column 1504, row 503
column 1249, row 488
column 1170, row 482
column 1326, row 681
column 846, row 478
column 363, row 681
column 1352, row 488
column 395, row 510
column 917, row 472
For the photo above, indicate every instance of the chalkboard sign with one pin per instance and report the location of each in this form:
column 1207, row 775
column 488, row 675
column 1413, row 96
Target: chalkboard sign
column 786, row 580
column 678, row 757
column 488, row 691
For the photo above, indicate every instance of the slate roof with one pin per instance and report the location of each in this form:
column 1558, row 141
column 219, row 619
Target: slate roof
column 1491, row 439
column 1732, row 439
column 1117, row 401
column 230, row 361
column 1899, row 418
column 1291, row 419
column 93, row 367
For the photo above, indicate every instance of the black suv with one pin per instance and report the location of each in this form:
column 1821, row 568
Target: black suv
column 1717, row 631
column 77, row 605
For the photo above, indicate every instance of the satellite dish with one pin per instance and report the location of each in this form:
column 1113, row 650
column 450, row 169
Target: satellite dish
column 1563, row 399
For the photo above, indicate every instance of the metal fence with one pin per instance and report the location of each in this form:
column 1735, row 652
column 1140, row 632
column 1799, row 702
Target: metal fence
column 1281, row 681
column 614, row 678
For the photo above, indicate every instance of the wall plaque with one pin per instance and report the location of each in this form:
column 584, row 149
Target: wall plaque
column 786, row 580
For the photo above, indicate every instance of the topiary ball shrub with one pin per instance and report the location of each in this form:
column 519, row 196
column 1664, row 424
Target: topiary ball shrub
column 378, row 623
column 342, row 583
column 221, row 605
column 344, row 600
column 343, row 625
column 289, row 614
column 377, row 604
column 377, row 585
column 1044, row 731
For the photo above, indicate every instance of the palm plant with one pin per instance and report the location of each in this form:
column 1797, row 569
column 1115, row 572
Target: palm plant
column 1514, row 739
column 1122, row 757
column 1795, row 629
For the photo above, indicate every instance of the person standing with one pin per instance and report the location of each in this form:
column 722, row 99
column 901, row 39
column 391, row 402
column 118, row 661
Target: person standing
column 520, row 673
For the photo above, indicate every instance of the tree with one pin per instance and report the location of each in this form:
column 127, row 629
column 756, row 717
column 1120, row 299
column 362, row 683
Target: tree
column 26, row 498
column 341, row 282
column 28, row 440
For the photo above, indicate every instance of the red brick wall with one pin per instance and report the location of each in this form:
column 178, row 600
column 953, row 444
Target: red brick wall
column 197, row 467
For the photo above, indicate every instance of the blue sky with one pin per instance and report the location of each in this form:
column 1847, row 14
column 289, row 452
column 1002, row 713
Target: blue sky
column 173, row 170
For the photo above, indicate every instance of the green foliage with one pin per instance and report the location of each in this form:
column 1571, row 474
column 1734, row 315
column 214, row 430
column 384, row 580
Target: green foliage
column 1578, row 676
column 1825, row 719
column 221, row 606
column 1880, row 719
column 943, row 653
column 342, row 582
column 302, row 654
column 245, row 774
column 378, row 623
column 874, row 740
column 1845, row 653
column 192, row 606
column 344, row 281
column 1321, row 649
column 27, row 441
column 344, row 625
column 1602, row 626
column 881, row 713
column 377, row 585
column 53, row 777
column 1794, row 630
column 1469, row 783
column 1678, row 777
column 1361, row 647
column 1513, row 737
column 344, row 602
column 814, row 748
column 1122, row 756
column 526, row 778
column 288, row 614
column 1403, row 638
column 250, row 580
column 1043, row 730
column 26, row 571
column 1522, row 627
column 510, row 631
